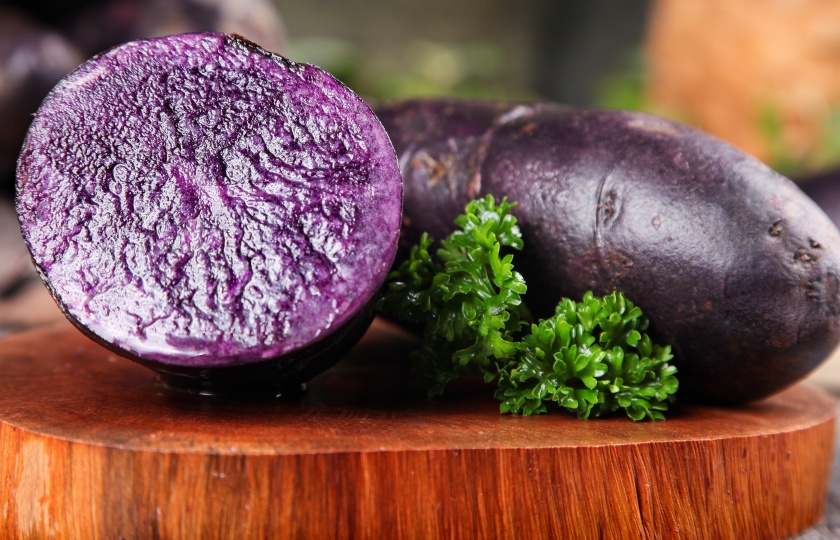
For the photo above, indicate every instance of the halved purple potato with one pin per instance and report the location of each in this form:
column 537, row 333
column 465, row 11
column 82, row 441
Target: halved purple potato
column 736, row 268
column 211, row 210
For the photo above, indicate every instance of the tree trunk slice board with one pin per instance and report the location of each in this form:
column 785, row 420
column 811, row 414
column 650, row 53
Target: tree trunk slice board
column 93, row 446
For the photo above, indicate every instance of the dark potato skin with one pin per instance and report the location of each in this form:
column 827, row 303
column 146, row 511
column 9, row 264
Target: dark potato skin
column 736, row 268
column 286, row 376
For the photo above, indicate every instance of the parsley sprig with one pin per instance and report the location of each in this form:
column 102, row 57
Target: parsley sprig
column 562, row 361
column 468, row 299
column 591, row 357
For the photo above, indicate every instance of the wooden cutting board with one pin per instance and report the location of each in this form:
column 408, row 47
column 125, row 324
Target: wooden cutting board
column 93, row 446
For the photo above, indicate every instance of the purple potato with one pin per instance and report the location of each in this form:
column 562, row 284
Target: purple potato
column 210, row 209
column 736, row 268
column 32, row 60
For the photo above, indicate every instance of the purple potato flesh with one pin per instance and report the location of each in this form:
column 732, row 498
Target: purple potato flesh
column 736, row 268
column 196, row 202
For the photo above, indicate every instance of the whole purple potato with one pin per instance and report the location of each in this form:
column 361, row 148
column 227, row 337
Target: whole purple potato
column 32, row 60
column 211, row 210
column 736, row 268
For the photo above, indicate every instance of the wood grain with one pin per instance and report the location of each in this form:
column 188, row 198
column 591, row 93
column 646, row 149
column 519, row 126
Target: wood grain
column 92, row 446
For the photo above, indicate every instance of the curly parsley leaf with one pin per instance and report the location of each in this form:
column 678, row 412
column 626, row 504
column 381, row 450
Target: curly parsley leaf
column 592, row 357
column 468, row 298
column 563, row 361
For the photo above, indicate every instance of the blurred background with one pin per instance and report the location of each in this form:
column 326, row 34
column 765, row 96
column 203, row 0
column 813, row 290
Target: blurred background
column 762, row 74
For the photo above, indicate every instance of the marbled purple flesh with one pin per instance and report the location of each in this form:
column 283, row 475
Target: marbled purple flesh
column 737, row 269
column 196, row 201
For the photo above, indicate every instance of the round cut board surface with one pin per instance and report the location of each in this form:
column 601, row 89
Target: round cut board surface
column 94, row 446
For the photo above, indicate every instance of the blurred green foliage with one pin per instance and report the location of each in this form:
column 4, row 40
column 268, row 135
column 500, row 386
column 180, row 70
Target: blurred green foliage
column 825, row 154
column 625, row 89
column 420, row 68
column 478, row 70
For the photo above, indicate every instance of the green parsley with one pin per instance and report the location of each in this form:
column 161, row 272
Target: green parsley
column 591, row 357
